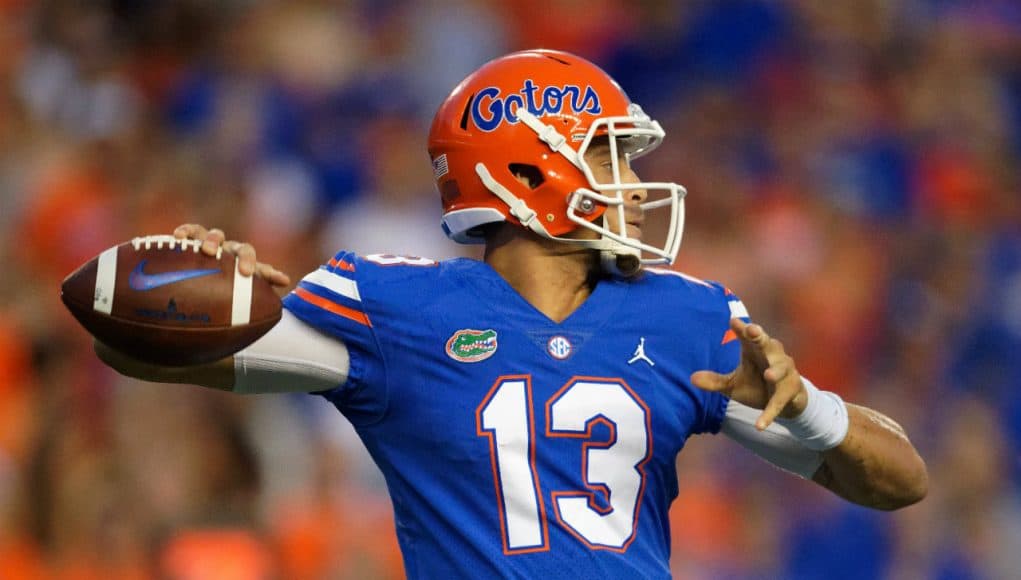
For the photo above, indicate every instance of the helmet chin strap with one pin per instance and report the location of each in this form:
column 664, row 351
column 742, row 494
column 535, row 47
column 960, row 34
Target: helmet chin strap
column 623, row 263
column 620, row 260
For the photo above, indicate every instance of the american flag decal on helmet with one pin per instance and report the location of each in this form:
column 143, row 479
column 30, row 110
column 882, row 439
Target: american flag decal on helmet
column 440, row 166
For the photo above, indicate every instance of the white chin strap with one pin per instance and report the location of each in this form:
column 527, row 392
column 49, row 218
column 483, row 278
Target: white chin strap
column 620, row 260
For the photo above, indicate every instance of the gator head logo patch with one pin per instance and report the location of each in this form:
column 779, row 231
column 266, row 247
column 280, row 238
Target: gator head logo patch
column 469, row 345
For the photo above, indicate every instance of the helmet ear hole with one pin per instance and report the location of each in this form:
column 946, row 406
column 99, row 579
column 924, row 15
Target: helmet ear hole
column 527, row 174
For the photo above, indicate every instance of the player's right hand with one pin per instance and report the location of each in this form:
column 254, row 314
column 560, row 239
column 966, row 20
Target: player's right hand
column 214, row 238
column 766, row 378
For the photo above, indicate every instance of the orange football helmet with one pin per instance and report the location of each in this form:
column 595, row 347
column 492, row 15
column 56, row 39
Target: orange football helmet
column 536, row 113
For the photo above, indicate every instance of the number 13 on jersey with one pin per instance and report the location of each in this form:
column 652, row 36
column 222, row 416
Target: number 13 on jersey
column 614, row 467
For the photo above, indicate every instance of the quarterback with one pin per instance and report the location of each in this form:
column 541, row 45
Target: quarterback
column 526, row 410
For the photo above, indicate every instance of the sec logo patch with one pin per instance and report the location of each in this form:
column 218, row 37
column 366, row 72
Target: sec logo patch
column 559, row 347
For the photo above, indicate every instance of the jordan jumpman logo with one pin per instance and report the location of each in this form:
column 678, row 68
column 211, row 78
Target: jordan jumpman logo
column 640, row 354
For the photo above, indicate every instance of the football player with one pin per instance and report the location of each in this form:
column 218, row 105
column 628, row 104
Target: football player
column 526, row 410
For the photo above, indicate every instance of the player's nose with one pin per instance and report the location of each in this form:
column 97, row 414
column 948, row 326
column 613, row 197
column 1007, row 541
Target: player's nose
column 636, row 196
column 633, row 196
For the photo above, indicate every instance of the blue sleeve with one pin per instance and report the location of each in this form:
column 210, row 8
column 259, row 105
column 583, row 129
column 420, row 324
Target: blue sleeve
column 727, row 357
column 330, row 299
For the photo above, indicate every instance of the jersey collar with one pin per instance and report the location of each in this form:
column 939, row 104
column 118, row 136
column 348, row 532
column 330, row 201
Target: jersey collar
column 601, row 306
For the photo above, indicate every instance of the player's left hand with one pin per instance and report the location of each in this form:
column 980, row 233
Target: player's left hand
column 764, row 379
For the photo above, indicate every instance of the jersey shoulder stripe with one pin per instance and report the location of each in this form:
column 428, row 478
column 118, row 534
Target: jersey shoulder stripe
column 341, row 262
column 737, row 308
column 341, row 285
column 332, row 306
column 333, row 287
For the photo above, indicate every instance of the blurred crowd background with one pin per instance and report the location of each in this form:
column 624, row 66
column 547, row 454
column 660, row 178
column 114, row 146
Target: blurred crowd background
column 853, row 174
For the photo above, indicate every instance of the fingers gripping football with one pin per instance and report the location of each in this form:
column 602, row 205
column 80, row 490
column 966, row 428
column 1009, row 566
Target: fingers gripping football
column 766, row 378
column 214, row 239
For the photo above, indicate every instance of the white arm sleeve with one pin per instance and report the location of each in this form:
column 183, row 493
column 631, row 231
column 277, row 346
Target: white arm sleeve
column 775, row 444
column 292, row 357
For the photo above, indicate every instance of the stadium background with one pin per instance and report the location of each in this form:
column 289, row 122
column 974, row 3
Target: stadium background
column 853, row 175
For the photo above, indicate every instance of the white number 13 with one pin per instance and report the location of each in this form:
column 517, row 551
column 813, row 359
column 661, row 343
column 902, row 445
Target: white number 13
column 615, row 467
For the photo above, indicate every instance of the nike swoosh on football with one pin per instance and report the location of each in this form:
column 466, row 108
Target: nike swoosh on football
column 139, row 280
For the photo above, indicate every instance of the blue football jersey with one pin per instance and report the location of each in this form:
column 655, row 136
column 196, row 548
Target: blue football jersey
column 512, row 445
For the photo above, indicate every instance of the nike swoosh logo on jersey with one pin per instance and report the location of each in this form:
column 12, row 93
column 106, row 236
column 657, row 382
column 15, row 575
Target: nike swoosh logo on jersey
column 139, row 280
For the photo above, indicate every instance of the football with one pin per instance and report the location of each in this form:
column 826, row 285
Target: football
column 160, row 300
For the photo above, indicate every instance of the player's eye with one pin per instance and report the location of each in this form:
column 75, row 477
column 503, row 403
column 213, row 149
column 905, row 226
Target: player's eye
column 622, row 161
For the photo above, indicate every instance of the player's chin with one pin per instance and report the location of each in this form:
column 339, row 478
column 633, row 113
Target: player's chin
column 634, row 232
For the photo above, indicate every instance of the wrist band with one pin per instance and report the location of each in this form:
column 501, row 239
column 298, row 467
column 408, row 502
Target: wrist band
column 823, row 424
